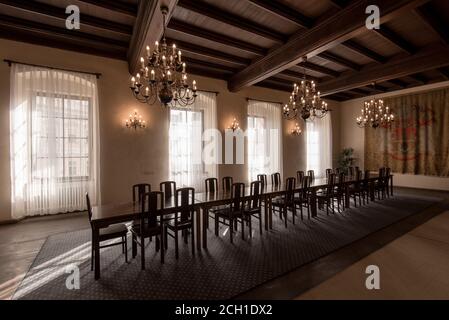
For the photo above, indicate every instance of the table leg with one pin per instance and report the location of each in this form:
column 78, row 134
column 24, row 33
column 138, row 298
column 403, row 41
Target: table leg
column 313, row 203
column 96, row 244
column 205, row 217
column 372, row 191
column 266, row 213
column 347, row 198
column 270, row 211
column 198, row 228
column 391, row 185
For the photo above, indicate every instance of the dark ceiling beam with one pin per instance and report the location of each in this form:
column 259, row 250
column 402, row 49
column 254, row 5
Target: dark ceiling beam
column 433, row 19
column 59, row 13
column 398, row 83
column 209, row 53
column 354, row 46
column 426, row 59
column 206, row 72
column 444, row 72
column 116, row 5
column 340, row 60
column 395, row 39
column 361, row 91
column 231, row 19
column 340, row 27
column 209, row 65
column 60, row 42
column 298, row 76
column 72, row 35
column 320, row 69
column 274, row 83
column 340, row 4
column 192, row 30
column 284, row 12
column 419, row 78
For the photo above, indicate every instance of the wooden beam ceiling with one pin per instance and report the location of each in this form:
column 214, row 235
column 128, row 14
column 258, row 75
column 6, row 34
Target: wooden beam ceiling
column 395, row 39
column 118, row 6
column 320, row 69
column 345, row 24
column 426, row 59
column 58, row 13
column 218, row 14
column 192, row 30
column 432, row 18
column 284, row 12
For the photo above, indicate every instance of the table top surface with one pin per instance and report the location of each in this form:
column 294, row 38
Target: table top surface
column 131, row 210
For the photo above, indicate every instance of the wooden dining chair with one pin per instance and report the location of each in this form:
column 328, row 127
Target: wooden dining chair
column 211, row 185
column 183, row 218
column 151, row 225
column 311, row 174
column 355, row 190
column 340, row 191
column 328, row 194
column 351, row 171
column 388, row 181
column 365, row 186
column 299, row 177
column 139, row 189
column 253, row 208
column 234, row 214
column 303, row 198
column 226, row 184
column 114, row 231
column 287, row 201
column 328, row 172
column 380, row 185
column 168, row 188
column 276, row 179
column 263, row 179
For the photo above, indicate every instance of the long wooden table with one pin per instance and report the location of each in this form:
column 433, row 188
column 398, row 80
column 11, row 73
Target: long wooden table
column 105, row 215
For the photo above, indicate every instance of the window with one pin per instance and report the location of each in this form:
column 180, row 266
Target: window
column 189, row 129
column 54, row 140
column 69, row 126
column 264, row 139
column 318, row 143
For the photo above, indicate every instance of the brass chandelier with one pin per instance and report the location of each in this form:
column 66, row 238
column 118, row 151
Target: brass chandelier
column 374, row 113
column 305, row 101
column 163, row 76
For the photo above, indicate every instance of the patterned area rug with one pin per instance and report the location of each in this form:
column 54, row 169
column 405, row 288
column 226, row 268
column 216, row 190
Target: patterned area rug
column 222, row 272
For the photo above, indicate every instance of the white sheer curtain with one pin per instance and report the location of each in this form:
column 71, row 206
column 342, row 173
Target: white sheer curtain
column 194, row 151
column 264, row 138
column 319, row 145
column 54, row 140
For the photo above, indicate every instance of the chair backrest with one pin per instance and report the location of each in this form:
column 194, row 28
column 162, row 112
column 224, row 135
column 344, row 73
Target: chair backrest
column 311, row 174
column 357, row 169
column 168, row 188
column 276, row 179
column 89, row 207
column 237, row 194
column 367, row 175
column 290, row 186
column 381, row 172
column 152, row 203
column 341, row 181
column 184, row 198
column 387, row 174
column 328, row 172
column 331, row 183
column 262, row 178
column 211, row 185
column 139, row 189
column 305, row 185
column 255, row 192
column 226, row 184
column 299, row 176
column 351, row 171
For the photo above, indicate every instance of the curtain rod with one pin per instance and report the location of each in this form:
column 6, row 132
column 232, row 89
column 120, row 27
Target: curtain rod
column 9, row 62
column 277, row 102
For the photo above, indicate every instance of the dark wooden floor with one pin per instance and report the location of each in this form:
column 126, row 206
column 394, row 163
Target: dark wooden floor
column 20, row 243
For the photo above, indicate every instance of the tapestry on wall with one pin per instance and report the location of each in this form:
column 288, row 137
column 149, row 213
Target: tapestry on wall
column 418, row 140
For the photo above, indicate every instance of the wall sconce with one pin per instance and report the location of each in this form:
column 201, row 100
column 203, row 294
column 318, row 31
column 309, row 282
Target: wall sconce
column 135, row 121
column 296, row 131
column 234, row 126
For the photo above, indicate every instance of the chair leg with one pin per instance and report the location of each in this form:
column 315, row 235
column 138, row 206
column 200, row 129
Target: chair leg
column 243, row 227
column 134, row 246
column 142, row 253
column 126, row 248
column 176, row 245
column 294, row 213
column 231, row 228
column 193, row 237
column 216, row 225
column 92, row 257
column 162, row 248
column 260, row 223
column 250, row 226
